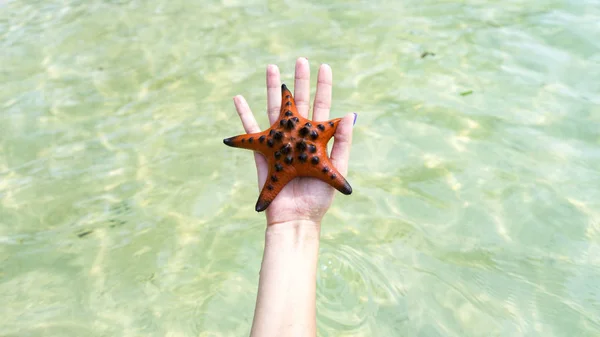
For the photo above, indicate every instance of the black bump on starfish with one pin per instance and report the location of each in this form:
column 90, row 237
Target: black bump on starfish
column 304, row 131
column 290, row 124
column 286, row 148
column 301, row 145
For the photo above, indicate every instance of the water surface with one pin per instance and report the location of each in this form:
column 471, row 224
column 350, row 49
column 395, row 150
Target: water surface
column 475, row 166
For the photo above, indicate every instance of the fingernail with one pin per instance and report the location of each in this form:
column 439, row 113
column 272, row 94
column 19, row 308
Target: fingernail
column 355, row 116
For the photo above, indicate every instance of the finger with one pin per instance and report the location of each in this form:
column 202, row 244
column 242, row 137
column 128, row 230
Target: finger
column 273, row 92
column 261, row 169
column 251, row 126
column 302, row 86
column 243, row 110
column 340, row 153
column 322, row 103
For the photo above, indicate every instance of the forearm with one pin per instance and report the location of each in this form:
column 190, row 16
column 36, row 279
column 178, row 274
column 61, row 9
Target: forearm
column 285, row 304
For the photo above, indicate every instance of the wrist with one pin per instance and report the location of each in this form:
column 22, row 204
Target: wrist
column 293, row 231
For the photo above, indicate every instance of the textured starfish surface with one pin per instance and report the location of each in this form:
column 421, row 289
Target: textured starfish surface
column 294, row 147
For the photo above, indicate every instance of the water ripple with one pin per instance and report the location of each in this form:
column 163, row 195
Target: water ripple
column 475, row 165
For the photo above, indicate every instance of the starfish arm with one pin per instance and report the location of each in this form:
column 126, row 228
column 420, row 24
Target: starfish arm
column 328, row 174
column 251, row 141
column 288, row 105
column 276, row 181
column 328, row 128
column 335, row 178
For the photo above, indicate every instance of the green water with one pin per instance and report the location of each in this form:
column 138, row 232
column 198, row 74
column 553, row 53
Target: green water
column 476, row 170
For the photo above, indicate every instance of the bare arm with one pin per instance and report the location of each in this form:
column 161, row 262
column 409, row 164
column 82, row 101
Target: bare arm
column 286, row 302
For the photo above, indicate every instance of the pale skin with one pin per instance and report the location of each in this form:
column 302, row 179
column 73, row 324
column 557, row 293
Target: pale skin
column 286, row 301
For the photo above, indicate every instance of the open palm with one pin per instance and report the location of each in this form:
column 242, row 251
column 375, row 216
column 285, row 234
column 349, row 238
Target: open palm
column 302, row 198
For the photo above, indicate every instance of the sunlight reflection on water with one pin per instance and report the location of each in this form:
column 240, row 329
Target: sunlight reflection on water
column 475, row 166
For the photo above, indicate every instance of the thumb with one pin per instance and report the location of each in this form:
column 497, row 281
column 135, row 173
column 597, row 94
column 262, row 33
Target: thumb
column 340, row 153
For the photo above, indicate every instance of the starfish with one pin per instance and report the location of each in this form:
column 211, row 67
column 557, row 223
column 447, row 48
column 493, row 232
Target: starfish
column 294, row 147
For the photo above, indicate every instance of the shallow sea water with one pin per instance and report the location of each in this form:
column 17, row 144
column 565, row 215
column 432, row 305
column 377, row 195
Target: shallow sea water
column 476, row 170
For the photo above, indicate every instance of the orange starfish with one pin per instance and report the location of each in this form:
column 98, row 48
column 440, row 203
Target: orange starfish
column 294, row 147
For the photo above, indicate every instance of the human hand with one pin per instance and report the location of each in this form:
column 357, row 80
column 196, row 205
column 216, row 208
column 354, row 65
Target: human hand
column 302, row 199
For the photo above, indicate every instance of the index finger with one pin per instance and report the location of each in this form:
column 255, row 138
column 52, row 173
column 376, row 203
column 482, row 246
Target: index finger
column 340, row 152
